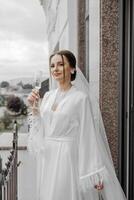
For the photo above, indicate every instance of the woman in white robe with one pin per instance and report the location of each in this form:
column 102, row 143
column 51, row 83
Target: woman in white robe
column 73, row 163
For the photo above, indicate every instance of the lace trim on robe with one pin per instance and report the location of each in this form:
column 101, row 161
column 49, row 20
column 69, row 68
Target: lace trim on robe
column 88, row 181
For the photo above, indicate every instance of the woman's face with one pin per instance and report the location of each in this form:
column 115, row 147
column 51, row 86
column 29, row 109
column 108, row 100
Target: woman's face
column 58, row 68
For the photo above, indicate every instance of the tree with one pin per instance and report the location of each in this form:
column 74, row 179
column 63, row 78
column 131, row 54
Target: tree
column 16, row 105
column 5, row 122
column 4, row 84
column 2, row 100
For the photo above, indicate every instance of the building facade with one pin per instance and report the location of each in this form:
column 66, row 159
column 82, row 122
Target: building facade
column 100, row 33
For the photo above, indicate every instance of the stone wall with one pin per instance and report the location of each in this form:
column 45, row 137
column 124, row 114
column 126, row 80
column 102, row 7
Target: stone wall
column 81, row 35
column 109, row 89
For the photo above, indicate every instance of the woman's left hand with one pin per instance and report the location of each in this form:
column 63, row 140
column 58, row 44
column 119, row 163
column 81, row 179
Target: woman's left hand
column 99, row 186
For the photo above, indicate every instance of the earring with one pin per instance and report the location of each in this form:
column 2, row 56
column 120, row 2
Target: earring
column 72, row 72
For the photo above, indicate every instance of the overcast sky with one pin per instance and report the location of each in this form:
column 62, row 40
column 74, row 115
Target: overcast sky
column 23, row 44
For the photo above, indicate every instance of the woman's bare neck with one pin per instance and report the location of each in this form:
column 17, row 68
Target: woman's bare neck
column 64, row 86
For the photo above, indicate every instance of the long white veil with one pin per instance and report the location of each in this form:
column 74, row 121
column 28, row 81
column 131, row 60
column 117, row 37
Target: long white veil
column 112, row 188
column 82, row 84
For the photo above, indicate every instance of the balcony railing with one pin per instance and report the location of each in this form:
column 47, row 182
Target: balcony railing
column 8, row 174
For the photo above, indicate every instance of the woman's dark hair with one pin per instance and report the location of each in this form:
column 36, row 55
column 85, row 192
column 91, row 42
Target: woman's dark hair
column 71, row 59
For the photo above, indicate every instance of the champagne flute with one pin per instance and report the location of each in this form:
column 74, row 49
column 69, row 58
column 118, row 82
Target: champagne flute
column 38, row 78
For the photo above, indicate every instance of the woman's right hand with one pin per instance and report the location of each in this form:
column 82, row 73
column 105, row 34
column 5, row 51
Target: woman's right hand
column 33, row 98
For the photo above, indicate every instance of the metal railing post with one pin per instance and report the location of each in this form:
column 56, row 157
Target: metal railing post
column 0, row 178
column 15, row 148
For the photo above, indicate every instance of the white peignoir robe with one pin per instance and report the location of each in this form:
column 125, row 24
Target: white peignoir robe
column 60, row 140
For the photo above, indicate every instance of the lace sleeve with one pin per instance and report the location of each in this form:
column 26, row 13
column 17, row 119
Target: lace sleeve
column 35, row 134
column 36, row 131
column 91, row 168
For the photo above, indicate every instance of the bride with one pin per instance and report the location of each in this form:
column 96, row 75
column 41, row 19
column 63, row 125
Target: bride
column 68, row 138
